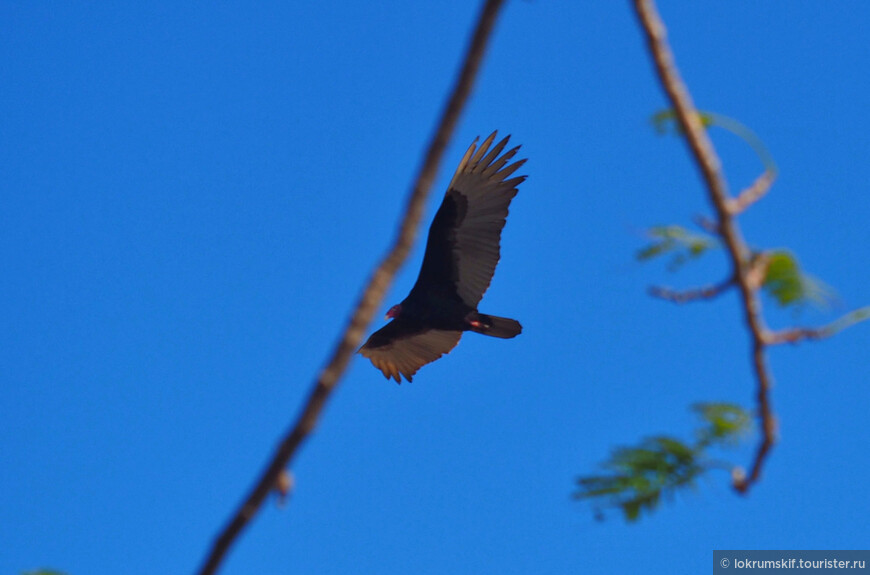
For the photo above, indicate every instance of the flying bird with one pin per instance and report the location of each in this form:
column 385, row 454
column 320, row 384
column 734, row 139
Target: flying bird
column 461, row 254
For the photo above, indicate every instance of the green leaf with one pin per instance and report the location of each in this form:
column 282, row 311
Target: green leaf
column 725, row 423
column 665, row 120
column 681, row 452
column 631, row 509
column 639, row 477
column 789, row 286
column 682, row 244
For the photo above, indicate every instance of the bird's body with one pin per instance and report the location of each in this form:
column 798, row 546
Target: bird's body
column 462, row 251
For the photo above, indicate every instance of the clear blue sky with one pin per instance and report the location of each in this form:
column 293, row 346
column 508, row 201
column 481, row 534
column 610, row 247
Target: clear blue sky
column 194, row 193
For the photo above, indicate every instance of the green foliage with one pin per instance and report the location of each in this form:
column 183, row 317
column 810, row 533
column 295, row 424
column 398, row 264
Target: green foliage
column 665, row 120
column 683, row 245
column 640, row 475
column 637, row 478
column 725, row 423
column 789, row 286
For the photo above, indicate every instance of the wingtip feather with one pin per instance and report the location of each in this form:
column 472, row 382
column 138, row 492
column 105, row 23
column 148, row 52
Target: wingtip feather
column 483, row 148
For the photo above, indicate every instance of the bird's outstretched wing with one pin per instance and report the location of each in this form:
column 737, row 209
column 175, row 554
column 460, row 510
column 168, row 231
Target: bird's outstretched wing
column 463, row 246
column 401, row 348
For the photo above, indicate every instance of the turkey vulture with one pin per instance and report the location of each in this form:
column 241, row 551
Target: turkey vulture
column 461, row 254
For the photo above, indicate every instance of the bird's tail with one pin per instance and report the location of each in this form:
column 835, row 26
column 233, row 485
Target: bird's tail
column 495, row 326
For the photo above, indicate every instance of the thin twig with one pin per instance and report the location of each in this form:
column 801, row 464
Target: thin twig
column 369, row 300
column 798, row 334
column 708, row 162
column 706, row 224
column 752, row 194
column 681, row 297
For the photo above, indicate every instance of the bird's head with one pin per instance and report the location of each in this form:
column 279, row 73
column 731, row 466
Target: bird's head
column 394, row 311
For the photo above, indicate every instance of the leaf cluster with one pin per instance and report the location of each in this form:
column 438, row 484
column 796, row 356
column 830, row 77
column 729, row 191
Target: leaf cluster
column 680, row 243
column 637, row 478
column 785, row 282
column 788, row 285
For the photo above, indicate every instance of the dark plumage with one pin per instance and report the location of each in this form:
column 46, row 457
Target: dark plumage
column 461, row 254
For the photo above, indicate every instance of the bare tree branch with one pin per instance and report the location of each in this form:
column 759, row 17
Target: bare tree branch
column 681, row 297
column 706, row 224
column 370, row 299
column 711, row 170
column 798, row 334
column 751, row 194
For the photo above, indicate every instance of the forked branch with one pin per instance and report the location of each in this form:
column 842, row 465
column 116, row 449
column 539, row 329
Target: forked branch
column 708, row 162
